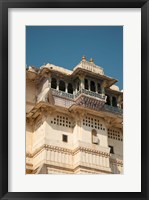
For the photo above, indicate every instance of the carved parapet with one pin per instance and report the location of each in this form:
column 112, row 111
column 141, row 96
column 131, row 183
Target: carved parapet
column 61, row 94
column 90, row 66
column 92, row 94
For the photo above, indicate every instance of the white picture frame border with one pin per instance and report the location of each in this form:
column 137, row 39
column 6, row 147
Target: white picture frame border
column 130, row 19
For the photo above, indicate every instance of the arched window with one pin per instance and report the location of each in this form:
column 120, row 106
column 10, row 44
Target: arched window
column 86, row 84
column 95, row 139
column 53, row 83
column 70, row 88
column 108, row 100
column 94, row 132
column 92, row 86
column 98, row 88
column 62, row 86
column 114, row 102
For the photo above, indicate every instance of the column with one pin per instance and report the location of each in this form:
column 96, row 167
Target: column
column 81, row 77
column 57, row 88
column 89, row 85
column 49, row 81
column 66, row 87
column 76, row 88
column 119, row 102
column 103, row 85
column 103, row 91
column 96, row 87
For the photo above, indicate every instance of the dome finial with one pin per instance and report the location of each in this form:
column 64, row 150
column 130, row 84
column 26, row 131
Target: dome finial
column 83, row 58
column 91, row 60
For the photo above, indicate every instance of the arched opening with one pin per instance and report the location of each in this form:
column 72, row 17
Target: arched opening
column 53, row 83
column 111, row 149
column 62, row 86
column 92, row 86
column 86, row 84
column 108, row 100
column 114, row 102
column 70, row 88
column 94, row 132
column 98, row 88
column 95, row 139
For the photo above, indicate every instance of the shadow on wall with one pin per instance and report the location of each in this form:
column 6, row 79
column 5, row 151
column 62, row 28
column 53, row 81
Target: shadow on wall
column 115, row 169
column 51, row 98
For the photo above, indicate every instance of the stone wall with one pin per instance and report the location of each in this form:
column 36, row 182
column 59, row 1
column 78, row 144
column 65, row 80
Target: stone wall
column 49, row 148
column 30, row 95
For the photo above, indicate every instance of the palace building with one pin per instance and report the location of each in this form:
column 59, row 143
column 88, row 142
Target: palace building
column 74, row 120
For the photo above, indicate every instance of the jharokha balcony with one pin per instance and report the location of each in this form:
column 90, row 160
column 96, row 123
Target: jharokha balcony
column 86, row 85
column 75, row 96
column 83, row 90
column 88, row 99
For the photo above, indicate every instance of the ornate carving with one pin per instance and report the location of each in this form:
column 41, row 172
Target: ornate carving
column 90, row 93
column 72, row 96
column 61, row 93
column 112, row 109
column 90, row 66
column 89, row 103
column 67, row 151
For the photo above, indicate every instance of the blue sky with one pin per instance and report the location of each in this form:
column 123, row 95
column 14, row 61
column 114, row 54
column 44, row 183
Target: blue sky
column 65, row 45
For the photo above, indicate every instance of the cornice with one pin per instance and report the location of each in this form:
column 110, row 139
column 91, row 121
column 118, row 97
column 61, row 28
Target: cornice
column 66, row 151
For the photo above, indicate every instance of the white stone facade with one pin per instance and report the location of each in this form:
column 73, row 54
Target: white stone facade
column 73, row 129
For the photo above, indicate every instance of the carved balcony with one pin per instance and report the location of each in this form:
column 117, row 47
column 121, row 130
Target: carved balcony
column 92, row 94
column 75, row 96
column 112, row 109
column 86, row 99
column 90, row 99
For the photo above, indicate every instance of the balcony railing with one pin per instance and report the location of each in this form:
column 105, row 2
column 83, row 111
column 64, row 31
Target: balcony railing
column 62, row 94
column 78, row 93
column 113, row 109
column 106, row 107
column 90, row 93
column 74, row 96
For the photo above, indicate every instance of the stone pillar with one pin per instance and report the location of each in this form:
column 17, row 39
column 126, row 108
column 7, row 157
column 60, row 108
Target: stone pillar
column 49, row 80
column 57, row 88
column 103, row 85
column 103, row 91
column 119, row 102
column 66, row 87
column 96, row 87
column 89, row 85
column 81, row 77
column 76, row 88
